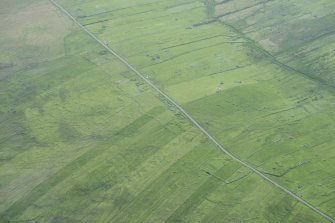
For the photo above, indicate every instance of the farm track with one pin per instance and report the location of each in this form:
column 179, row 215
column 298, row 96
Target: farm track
column 193, row 121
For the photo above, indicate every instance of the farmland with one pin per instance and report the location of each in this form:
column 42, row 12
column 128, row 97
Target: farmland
column 84, row 139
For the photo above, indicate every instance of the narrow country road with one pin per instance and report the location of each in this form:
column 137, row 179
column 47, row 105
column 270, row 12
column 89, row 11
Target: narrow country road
column 204, row 131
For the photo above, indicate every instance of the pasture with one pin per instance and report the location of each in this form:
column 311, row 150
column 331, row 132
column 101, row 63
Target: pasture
column 83, row 139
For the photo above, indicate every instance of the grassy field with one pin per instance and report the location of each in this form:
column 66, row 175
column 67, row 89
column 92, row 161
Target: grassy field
column 84, row 140
column 297, row 33
column 259, row 108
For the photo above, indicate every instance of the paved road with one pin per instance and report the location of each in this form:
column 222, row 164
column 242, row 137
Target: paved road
column 204, row 131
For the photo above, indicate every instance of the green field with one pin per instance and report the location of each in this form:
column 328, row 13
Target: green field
column 296, row 33
column 84, row 139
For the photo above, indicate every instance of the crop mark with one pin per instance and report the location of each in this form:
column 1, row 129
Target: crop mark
column 205, row 22
column 300, row 164
column 186, row 53
column 178, row 5
column 245, row 8
column 228, row 70
column 239, row 178
column 213, row 175
column 99, row 21
column 223, row 2
column 6, row 65
column 194, row 41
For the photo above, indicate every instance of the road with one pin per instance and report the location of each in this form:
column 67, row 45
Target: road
column 204, row 131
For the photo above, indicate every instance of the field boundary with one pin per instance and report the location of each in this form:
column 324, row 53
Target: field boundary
column 194, row 122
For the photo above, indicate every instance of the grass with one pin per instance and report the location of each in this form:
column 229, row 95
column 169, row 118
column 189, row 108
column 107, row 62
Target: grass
column 280, row 28
column 84, row 140
column 259, row 108
column 210, row 5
